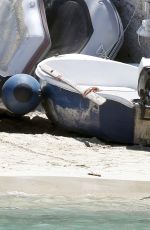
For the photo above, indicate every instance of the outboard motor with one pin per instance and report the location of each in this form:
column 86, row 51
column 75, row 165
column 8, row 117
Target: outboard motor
column 21, row 94
column 144, row 82
column 142, row 105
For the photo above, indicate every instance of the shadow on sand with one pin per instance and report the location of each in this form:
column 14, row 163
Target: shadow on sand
column 34, row 123
column 37, row 124
column 139, row 148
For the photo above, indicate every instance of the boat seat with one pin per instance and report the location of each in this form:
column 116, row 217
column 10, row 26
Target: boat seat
column 123, row 95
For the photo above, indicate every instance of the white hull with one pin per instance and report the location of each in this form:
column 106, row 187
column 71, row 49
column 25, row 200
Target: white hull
column 116, row 81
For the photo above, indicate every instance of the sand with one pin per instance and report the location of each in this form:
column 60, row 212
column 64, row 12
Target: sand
column 32, row 146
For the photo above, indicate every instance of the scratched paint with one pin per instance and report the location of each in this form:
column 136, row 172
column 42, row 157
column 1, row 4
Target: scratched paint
column 71, row 117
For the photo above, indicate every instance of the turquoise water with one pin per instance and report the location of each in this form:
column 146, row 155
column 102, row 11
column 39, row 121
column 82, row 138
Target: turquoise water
column 46, row 213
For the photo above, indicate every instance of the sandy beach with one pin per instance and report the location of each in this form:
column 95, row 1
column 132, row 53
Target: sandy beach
column 32, row 146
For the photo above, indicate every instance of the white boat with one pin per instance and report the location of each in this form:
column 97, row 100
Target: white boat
column 27, row 33
column 89, row 27
column 97, row 97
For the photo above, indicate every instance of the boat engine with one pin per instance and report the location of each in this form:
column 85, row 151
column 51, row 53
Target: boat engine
column 144, row 82
column 21, row 94
column 142, row 105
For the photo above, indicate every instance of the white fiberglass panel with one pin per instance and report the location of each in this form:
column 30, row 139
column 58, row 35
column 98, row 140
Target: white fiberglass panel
column 92, row 71
column 21, row 32
column 108, row 30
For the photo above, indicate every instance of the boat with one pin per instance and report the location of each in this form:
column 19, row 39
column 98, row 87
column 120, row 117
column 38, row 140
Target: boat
column 33, row 30
column 97, row 97
column 89, row 27
column 25, row 37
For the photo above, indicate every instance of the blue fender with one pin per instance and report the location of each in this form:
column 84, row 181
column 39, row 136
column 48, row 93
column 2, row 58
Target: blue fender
column 21, row 94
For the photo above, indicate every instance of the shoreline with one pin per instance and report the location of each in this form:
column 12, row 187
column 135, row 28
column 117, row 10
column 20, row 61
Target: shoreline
column 73, row 187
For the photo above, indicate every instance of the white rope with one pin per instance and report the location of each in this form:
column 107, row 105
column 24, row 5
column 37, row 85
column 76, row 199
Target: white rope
column 129, row 23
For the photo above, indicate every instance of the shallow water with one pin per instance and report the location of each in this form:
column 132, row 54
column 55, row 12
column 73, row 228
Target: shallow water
column 46, row 213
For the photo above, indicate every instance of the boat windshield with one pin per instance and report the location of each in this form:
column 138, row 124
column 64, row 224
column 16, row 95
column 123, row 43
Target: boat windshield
column 12, row 31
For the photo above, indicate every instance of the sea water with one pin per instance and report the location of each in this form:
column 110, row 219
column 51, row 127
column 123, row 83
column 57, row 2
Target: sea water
column 23, row 212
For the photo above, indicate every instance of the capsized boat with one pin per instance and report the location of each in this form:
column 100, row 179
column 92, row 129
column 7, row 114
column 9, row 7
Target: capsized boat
column 90, row 27
column 31, row 30
column 25, row 37
column 28, row 34
column 97, row 97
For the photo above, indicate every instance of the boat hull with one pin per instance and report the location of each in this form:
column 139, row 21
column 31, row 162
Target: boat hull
column 108, row 113
column 89, row 35
column 112, row 121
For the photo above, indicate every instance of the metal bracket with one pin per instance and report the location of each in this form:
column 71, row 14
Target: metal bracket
column 145, row 115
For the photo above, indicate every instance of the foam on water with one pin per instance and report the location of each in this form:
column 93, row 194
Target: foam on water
column 21, row 211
